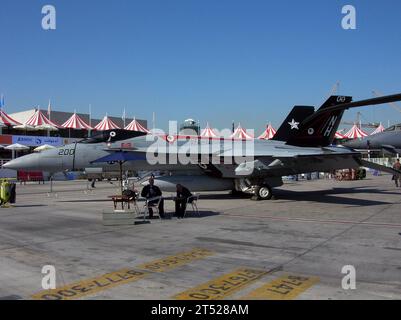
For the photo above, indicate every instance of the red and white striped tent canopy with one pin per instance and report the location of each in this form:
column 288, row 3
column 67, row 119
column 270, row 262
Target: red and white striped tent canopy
column 355, row 133
column 7, row 120
column 136, row 126
column 76, row 122
column 268, row 133
column 378, row 129
column 106, row 124
column 339, row 136
column 39, row 119
column 208, row 132
column 241, row 133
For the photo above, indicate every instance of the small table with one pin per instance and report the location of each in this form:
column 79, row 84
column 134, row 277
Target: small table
column 123, row 200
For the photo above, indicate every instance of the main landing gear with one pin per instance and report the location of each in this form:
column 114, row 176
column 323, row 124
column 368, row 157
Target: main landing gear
column 259, row 189
column 263, row 192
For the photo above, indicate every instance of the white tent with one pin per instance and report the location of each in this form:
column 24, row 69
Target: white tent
column 106, row 124
column 378, row 130
column 268, row 133
column 25, row 127
column 355, row 133
column 75, row 122
column 241, row 133
column 40, row 121
column 208, row 132
column 136, row 126
column 43, row 147
column 15, row 148
column 338, row 135
column 46, row 127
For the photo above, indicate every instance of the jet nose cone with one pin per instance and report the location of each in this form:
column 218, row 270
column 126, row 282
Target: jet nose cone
column 12, row 164
column 28, row 162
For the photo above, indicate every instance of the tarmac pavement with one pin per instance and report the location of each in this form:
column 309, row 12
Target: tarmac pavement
column 293, row 247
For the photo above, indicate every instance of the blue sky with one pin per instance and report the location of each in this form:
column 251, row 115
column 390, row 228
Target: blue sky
column 212, row 60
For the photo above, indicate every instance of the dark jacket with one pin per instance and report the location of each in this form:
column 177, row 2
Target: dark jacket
column 184, row 194
column 146, row 191
column 129, row 193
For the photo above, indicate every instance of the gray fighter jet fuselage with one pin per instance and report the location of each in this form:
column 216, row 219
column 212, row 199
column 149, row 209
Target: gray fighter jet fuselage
column 79, row 156
column 302, row 144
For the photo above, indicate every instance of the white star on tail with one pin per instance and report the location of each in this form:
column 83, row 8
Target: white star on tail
column 294, row 124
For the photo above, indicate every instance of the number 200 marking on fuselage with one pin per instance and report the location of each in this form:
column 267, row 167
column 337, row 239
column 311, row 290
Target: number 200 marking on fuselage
column 66, row 152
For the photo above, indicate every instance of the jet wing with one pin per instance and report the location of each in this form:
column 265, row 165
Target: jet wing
column 283, row 166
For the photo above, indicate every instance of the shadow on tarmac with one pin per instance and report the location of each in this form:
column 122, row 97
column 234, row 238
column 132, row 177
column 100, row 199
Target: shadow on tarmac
column 321, row 196
column 29, row 205
column 202, row 214
column 332, row 196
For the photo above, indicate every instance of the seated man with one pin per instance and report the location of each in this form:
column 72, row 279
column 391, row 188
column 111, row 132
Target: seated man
column 151, row 191
column 181, row 200
column 131, row 192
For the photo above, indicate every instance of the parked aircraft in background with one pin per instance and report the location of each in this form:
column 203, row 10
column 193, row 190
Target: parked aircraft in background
column 388, row 140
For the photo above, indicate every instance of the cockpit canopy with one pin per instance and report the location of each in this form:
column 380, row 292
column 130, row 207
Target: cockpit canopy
column 396, row 127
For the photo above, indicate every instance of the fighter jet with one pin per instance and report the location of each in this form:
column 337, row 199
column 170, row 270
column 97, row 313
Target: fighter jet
column 388, row 140
column 302, row 144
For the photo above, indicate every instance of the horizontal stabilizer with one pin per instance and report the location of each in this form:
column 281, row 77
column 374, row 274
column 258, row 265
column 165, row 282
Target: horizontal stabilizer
column 361, row 103
column 318, row 129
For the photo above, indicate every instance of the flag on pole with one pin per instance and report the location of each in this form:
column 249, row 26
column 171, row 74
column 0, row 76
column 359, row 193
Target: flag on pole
column 90, row 115
column 123, row 117
column 2, row 101
column 90, row 120
column 49, row 109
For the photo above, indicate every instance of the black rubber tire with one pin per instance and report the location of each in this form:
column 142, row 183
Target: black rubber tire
column 263, row 192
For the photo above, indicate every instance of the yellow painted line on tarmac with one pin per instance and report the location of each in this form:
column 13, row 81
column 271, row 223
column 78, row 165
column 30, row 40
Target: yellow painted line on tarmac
column 223, row 286
column 82, row 288
column 104, row 282
column 171, row 262
column 287, row 287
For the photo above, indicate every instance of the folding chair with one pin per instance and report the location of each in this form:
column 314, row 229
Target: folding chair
column 193, row 201
column 134, row 201
column 154, row 204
